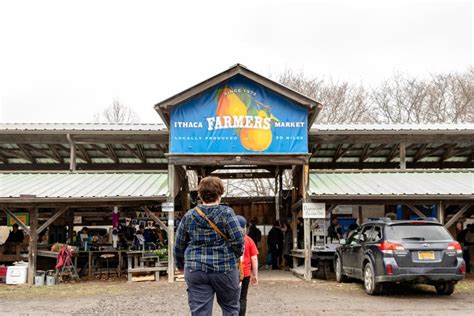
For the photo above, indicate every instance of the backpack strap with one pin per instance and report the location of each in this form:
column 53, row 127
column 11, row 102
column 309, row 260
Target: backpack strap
column 214, row 226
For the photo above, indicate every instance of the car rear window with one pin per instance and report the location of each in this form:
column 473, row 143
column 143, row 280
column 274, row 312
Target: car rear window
column 417, row 232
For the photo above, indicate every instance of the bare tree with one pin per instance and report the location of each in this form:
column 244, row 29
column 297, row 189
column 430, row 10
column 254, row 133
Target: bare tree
column 117, row 113
column 441, row 98
column 343, row 102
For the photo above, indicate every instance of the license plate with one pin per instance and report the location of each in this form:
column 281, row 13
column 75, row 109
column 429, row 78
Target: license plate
column 426, row 255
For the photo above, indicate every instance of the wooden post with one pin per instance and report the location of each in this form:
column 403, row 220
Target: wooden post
column 441, row 215
column 33, row 250
column 307, row 226
column 359, row 213
column 72, row 156
column 457, row 216
column 403, row 162
column 171, row 241
column 277, row 195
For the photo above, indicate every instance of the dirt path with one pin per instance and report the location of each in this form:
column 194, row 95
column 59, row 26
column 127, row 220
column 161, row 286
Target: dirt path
column 269, row 298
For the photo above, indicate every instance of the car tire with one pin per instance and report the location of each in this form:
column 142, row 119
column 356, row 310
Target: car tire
column 340, row 277
column 446, row 288
column 371, row 286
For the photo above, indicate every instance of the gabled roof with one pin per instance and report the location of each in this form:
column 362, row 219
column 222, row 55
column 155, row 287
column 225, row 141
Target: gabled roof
column 163, row 108
column 410, row 185
column 82, row 187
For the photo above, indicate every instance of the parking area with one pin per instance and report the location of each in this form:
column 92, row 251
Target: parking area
column 273, row 295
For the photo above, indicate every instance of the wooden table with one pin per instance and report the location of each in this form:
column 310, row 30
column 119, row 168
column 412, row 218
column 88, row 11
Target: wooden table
column 137, row 262
column 98, row 253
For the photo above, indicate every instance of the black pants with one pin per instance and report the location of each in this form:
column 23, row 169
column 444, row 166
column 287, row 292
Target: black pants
column 243, row 295
column 276, row 259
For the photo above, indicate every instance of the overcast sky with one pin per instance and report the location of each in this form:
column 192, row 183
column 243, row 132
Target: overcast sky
column 62, row 61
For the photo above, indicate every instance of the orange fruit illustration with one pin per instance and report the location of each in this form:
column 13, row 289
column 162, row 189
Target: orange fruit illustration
column 256, row 139
column 230, row 104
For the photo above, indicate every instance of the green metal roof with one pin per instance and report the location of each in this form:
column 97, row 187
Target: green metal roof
column 393, row 185
column 83, row 186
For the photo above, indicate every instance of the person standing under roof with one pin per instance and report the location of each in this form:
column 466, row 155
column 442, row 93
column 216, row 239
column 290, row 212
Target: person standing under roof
column 209, row 243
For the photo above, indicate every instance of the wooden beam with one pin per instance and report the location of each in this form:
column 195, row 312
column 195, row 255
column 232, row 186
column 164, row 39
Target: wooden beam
column 155, row 218
column 441, row 213
column 42, row 152
column 72, row 155
column 56, row 153
column 456, row 216
column 393, row 153
column 52, row 219
column 112, row 152
column 342, row 152
column 416, row 210
column 373, row 152
column 448, row 152
column 420, row 152
column 391, row 165
column 171, row 238
column 26, row 152
column 337, row 152
column 141, row 152
column 33, row 246
column 17, row 220
column 458, row 152
column 3, row 159
column 135, row 153
column 403, row 156
column 364, row 152
column 84, row 155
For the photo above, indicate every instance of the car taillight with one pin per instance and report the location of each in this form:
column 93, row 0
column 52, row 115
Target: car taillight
column 463, row 268
column 455, row 246
column 389, row 247
column 389, row 269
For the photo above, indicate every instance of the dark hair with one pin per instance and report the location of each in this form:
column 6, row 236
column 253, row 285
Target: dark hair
column 276, row 223
column 15, row 225
column 210, row 189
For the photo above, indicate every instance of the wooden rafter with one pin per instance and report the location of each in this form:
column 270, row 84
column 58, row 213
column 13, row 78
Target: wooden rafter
column 393, row 153
column 457, row 152
column 372, row 152
column 431, row 151
column 106, row 153
column 315, row 149
column 364, row 152
column 135, row 153
column 113, row 154
column 84, row 155
column 337, row 152
column 448, row 152
column 26, row 154
column 56, row 153
column 141, row 152
column 67, row 150
column 43, row 152
column 3, row 159
column 341, row 151
column 419, row 152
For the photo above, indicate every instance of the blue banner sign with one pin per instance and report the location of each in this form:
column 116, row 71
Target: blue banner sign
column 239, row 116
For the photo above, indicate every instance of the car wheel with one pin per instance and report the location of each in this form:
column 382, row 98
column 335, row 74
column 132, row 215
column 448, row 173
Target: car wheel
column 371, row 286
column 340, row 277
column 445, row 288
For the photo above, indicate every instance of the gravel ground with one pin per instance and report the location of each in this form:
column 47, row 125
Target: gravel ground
column 269, row 297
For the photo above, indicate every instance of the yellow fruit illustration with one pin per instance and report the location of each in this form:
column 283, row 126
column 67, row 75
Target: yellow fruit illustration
column 230, row 104
column 256, row 139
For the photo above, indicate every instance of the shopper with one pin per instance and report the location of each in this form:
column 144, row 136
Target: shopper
column 275, row 244
column 250, row 266
column 254, row 232
column 334, row 230
column 209, row 243
column 287, row 244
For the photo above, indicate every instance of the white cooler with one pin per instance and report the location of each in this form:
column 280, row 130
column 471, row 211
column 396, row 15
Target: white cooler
column 17, row 274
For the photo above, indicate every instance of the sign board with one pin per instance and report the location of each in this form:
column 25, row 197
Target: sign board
column 314, row 210
column 167, row 207
column 23, row 217
column 77, row 219
column 239, row 116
